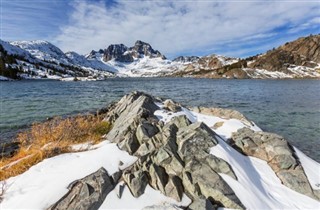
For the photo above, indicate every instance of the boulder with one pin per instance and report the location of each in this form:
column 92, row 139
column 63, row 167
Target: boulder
column 136, row 181
column 174, row 188
column 171, row 106
column 181, row 121
column 194, row 138
column 126, row 114
column 211, row 185
column 201, row 204
column 278, row 153
column 86, row 193
column 158, row 177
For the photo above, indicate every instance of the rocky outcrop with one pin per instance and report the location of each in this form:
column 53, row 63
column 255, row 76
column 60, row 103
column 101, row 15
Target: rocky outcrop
column 278, row 153
column 86, row 193
column 174, row 157
column 304, row 51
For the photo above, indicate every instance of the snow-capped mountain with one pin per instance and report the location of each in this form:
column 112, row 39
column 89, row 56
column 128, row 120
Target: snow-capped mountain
column 41, row 59
column 43, row 50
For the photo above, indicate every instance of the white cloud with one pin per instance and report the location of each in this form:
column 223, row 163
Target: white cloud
column 177, row 27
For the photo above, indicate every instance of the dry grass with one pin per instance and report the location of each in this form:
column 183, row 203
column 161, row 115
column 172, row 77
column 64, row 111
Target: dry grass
column 52, row 138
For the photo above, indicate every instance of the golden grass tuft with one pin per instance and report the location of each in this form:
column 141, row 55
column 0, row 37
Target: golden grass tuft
column 51, row 138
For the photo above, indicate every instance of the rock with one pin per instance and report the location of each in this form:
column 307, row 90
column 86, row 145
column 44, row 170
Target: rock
column 181, row 121
column 145, row 131
column 145, row 149
column 166, row 206
column 278, row 153
column 191, row 188
column 120, row 189
column 296, row 180
column 116, row 176
column 171, row 105
column 222, row 113
column 175, row 166
column 219, row 165
column 126, row 114
column 174, row 188
column 129, row 143
column 159, row 177
column 218, row 125
column 213, row 186
column 194, row 138
column 201, row 204
column 122, row 53
column 136, row 181
column 173, row 158
column 87, row 193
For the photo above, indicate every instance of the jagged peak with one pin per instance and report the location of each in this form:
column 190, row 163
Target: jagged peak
column 139, row 42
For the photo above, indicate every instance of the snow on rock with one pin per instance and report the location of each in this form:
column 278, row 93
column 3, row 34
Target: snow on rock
column 257, row 186
column 249, row 181
column 45, row 183
column 149, row 198
column 42, row 50
column 311, row 168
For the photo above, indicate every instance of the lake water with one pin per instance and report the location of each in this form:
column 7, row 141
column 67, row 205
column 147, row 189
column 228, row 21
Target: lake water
column 288, row 107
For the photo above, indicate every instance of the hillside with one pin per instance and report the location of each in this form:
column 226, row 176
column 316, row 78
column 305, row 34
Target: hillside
column 297, row 59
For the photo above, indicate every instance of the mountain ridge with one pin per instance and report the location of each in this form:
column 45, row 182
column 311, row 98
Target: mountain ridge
column 41, row 59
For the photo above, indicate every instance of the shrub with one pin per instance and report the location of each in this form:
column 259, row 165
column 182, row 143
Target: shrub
column 51, row 138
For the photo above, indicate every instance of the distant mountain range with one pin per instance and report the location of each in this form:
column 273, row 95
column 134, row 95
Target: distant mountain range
column 41, row 59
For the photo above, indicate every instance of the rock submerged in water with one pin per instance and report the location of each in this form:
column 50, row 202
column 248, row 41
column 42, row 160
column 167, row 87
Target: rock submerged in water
column 175, row 159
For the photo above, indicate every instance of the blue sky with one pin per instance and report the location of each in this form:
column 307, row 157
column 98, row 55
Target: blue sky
column 230, row 27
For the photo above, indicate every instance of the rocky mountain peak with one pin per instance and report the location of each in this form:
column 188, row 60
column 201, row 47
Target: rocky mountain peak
column 117, row 52
column 121, row 53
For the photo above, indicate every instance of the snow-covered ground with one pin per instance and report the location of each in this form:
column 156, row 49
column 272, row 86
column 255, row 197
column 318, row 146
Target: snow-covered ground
column 257, row 186
column 293, row 72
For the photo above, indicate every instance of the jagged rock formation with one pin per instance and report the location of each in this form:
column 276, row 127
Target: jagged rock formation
column 280, row 156
column 122, row 53
column 174, row 158
column 117, row 52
